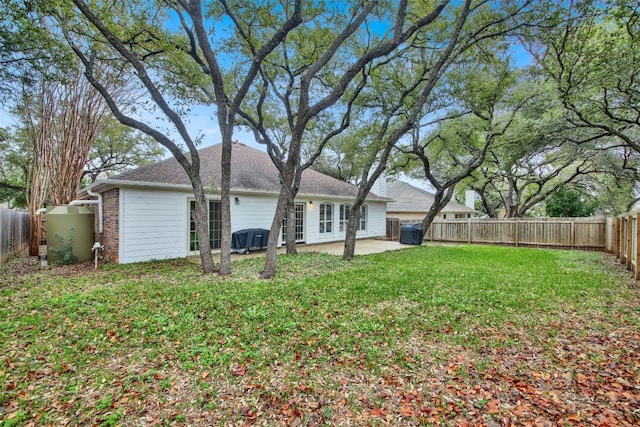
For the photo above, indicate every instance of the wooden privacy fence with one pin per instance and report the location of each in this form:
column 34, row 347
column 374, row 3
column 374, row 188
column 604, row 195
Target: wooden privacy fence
column 14, row 233
column 561, row 233
column 626, row 238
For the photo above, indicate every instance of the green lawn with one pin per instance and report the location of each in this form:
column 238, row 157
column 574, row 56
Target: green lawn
column 433, row 335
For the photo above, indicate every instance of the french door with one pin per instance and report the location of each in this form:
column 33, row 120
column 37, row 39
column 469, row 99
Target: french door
column 214, row 222
column 299, row 218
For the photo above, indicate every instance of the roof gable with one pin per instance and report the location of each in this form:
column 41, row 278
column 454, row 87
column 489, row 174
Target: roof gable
column 251, row 170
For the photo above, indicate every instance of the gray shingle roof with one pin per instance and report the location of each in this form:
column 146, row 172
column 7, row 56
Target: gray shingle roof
column 407, row 198
column 251, row 170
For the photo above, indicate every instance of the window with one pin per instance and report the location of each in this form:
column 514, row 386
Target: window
column 345, row 212
column 363, row 218
column 326, row 218
column 214, row 222
column 215, row 225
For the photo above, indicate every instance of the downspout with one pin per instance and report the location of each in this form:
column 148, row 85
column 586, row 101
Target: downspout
column 92, row 202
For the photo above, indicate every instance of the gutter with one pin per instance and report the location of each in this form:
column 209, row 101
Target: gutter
column 112, row 183
column 92, row 202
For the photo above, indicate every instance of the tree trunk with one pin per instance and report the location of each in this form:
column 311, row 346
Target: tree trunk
column 363, row 191
column 225, row 204
column 34, row 235
column 511, row 211
column 488, row 207
column 290, row 179
column 291, row 226
column 632, row 203
column 272, row 244
column 440, row 200
column 36, row 200
column 202, row 229
column 352, row 231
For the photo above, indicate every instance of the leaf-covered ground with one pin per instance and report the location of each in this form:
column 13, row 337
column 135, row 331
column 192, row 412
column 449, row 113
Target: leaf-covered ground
column 437, row 335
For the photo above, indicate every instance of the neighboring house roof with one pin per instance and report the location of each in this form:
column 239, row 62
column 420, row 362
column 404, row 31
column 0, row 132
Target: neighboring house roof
column 251, row 170
column 407, row 198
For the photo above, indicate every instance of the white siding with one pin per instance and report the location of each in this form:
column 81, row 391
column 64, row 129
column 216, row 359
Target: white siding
column 376, row 222
column 153, row 225
column 380, row 186
column 252, row 211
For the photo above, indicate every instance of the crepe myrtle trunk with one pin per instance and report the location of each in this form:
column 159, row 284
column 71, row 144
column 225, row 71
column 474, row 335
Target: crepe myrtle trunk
column 200, row 219
column 35, row 234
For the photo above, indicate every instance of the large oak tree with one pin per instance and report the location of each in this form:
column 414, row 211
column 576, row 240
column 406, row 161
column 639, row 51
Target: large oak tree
column 177, row 51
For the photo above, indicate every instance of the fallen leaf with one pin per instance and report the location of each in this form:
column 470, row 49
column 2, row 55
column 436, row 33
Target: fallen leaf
column 406, row 410
column 377, row 412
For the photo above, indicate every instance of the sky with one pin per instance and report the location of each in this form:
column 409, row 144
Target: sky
column 201, row 121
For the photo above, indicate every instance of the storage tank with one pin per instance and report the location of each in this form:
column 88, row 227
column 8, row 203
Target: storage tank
column 70, row 234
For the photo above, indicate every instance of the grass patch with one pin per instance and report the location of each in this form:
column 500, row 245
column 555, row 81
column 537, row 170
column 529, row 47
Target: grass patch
column 425, row 335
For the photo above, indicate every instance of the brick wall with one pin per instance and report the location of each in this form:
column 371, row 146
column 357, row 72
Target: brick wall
column 111, row 224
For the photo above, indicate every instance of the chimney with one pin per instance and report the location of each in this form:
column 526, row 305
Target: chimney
column 380, row 186
column 470, row 199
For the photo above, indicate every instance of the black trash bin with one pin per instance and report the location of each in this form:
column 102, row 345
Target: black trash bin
column 411, row 234
column 243, row 241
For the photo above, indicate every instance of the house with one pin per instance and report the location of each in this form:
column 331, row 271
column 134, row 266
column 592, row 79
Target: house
column 411, row 204
column 146, row 212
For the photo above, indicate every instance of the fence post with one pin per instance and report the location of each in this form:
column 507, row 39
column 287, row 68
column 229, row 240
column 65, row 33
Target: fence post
column 572, row 235
column 629, row 241
column 615, row 243
column 636, row 273
column 623, row 240
column 468, row 230
column 516, row 232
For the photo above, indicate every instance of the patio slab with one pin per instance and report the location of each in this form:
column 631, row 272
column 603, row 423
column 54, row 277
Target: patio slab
column 363, row 247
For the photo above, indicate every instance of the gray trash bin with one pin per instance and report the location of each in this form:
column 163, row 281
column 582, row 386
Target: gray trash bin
column 411, row 234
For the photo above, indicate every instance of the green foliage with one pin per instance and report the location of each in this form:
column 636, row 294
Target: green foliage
column 18, row 419
column 15, row 154
column 112, row 419
column 542, row 151
column 28, row 47
column 66, row 254
column 565, row 202
column 105, row 403
column 593, row 59
column 118, row 148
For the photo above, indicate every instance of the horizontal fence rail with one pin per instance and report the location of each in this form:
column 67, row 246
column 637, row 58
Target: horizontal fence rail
column 14, row 233
column 561, row 233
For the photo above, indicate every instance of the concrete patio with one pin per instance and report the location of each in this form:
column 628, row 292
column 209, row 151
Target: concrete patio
column 363, row 247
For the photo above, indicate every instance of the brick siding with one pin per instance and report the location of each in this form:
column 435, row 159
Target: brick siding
column 111, row 224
